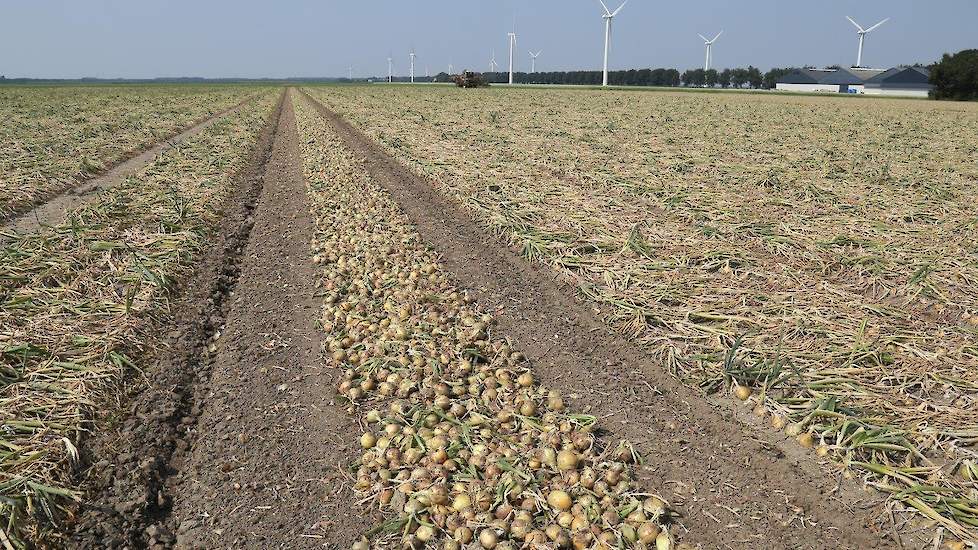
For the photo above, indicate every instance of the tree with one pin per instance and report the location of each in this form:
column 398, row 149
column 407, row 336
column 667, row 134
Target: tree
column 723, row 79
column 772, row 77
column 711, row 78
column 738, row 77
column 956, row 76
column 694, row 77
column 754, row 77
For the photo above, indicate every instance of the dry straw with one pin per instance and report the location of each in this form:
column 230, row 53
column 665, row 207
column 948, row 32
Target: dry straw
column 54, row 137
column 76, row 300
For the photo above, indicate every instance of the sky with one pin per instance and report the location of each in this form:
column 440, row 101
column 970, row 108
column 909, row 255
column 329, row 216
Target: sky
column 313, row 38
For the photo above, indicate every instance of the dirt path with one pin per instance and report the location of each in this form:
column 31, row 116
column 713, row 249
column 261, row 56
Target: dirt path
column 52, row 209
column 734, row 490
column 129, row 460
column 269, row 444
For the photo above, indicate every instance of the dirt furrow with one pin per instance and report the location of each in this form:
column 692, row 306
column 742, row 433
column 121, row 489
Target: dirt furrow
column 269, row 446
column 734, row 490
column 51, row 209
column 128, row 463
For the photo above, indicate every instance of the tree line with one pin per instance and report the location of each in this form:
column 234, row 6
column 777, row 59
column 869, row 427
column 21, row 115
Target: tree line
column 749, row 77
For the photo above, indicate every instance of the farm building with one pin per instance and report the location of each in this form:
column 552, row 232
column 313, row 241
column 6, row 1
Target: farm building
column 845, row 81
column 905, row 81
column 902, row 81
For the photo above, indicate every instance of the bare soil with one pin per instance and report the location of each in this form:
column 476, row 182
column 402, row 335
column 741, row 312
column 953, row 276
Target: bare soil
column 732, row 489
column 51, row 209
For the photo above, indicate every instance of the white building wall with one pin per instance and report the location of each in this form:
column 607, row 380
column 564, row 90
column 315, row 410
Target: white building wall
column 901, row 92
column 834, row 88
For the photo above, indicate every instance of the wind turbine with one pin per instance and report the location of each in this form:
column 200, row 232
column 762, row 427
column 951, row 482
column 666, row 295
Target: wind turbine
column 451, row 68
column 412, row 66
column 709, row 49
column 390, row 69
column 862, row 37
column 512, row 48
column 608, row 16
column 533, row 60
column 351, row 73
column 492, row 62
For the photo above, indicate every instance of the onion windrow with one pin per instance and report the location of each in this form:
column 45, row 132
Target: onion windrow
column 54, row 136
column 824, row 265
column 77, row 299
column 463, row 443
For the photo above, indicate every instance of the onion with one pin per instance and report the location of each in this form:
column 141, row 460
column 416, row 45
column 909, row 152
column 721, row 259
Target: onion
column 368, row 440
column 463, row 535
column 559, row 500
column 794, row 430
column 488, row 539
column 567, row 460
column 425, row 533
column 742, row 393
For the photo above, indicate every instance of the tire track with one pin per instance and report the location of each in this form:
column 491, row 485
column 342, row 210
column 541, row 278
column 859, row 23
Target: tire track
column 129, row 467
column 268, row 451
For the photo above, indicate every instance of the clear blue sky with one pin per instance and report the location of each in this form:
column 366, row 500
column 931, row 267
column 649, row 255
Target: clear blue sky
column 250, row 38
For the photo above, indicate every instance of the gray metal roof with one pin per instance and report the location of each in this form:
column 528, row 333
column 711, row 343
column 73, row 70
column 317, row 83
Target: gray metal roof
column 830, row 76
column 802, row 76
column 865, row 74
column 902, row 75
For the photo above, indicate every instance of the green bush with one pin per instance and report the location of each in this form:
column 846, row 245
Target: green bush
column 956, row 76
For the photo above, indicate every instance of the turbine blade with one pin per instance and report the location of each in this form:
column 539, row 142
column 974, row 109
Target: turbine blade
column 614, row 13
column 605, row 6
column 854, row 23
column 715, row 37
column 874, row 27
column 705, row 39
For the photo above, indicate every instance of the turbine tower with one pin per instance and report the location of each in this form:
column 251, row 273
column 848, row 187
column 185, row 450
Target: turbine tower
column 533, row 60
column 709, row 49
column 412, row 66
column 862, row 37
column 351, row 73
column 390, row 69
column 512, row 48
column 608, row 16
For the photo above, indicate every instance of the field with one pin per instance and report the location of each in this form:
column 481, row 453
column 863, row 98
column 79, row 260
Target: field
column 52, row 138
column 546, row 317
column 822, row 253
